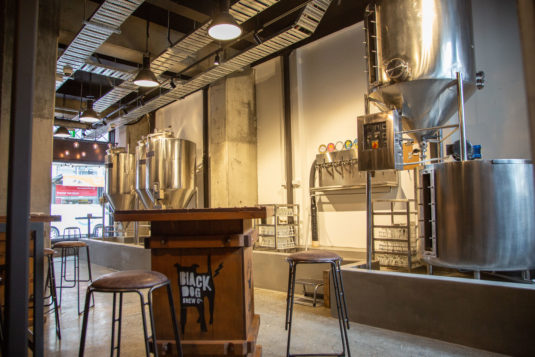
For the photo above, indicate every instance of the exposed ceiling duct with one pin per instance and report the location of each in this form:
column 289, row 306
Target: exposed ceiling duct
column 303, row 28
column 104, row 70
column 184, row 49
column 106, row 20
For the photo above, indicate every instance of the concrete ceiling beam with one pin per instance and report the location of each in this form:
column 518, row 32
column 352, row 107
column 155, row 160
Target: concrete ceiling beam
column 69, row 124
column 181, row 10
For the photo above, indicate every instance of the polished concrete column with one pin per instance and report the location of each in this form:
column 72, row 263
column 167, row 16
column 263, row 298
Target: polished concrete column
column 43, row 108
column 232, row 146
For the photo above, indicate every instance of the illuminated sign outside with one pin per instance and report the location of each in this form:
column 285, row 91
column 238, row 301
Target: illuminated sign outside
column 75, row 191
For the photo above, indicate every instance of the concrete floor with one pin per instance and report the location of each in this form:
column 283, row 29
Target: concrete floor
column 313, row 330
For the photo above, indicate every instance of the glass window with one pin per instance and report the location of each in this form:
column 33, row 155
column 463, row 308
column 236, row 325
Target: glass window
column 76, row 192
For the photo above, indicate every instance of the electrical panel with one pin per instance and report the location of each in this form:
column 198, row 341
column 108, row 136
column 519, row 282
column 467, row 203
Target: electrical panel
column 379, row 141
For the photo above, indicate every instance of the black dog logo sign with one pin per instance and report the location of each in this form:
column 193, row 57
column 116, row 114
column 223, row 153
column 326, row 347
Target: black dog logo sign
column 194, row 287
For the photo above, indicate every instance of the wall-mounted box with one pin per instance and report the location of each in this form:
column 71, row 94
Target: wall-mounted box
column 379, row 145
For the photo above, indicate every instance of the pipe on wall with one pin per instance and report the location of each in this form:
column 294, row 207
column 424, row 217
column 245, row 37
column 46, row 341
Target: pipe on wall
column 205, row 150
column 287, row 126
column 313, row 205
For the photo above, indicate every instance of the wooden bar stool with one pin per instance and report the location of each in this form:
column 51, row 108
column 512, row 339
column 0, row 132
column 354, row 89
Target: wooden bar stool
column 319, row 257
column 51, row 284
column 72, row 248
column 131, row 281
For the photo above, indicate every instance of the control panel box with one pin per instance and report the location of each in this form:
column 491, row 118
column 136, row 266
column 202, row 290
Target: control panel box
column 379, row 144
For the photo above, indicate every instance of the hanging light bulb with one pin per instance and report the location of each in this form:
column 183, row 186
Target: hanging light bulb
column 62, row 132
column 224, row 27
column 145, row 77
column 89, row 115
column 217, row 60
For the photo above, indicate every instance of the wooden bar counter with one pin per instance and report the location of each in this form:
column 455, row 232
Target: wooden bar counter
column 207, row 256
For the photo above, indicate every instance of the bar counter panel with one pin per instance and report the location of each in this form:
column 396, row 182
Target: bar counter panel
column 207, row 256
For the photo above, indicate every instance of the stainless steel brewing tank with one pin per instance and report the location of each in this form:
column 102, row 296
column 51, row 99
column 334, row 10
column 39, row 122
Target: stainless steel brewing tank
column 170, row 170
column 485, row 215
column 141, row 173
column 120, row 178
column 415, row 48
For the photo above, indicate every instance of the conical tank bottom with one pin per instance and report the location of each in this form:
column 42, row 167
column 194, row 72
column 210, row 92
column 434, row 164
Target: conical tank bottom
column 177, row 198
column 121, row 202
column 423, row 103
column 144, row 198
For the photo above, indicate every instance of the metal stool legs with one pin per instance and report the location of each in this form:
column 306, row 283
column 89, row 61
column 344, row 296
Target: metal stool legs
column 341, row 308
column 116, row 345
column 51, row 284
column 290, row 304
column 342, row 295
column 76, row 269
column 116, row 320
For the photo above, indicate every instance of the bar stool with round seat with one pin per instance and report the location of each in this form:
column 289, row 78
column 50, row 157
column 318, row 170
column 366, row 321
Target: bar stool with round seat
column 318, row 257
column 51, row 284
column 131, row 281
column 67, row 248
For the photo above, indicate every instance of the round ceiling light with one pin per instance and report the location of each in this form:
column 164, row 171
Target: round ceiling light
column 145, row 77
column 224, row 27
column 89, row 115
column 62, row 132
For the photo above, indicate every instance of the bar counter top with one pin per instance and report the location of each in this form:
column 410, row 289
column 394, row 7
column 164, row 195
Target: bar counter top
column 37, row 218
column 196, row 214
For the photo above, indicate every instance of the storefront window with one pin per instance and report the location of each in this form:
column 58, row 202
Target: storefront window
column 76, row 191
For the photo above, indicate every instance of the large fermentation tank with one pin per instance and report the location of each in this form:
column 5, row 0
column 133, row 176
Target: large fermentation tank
column 141, row 176
column 484, row 215
column 415, row 48
column 170, row 170
column 120, row 178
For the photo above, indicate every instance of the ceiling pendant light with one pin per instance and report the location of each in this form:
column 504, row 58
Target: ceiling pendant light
column 145, row 77
column 217, row 59
column 89, row 115
column 62, row 132
column 224, row 27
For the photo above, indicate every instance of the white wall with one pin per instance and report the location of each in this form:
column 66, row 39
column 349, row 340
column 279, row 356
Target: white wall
column 496, row 117
column 120, row 137
column 184, row 118
column 328, row 84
